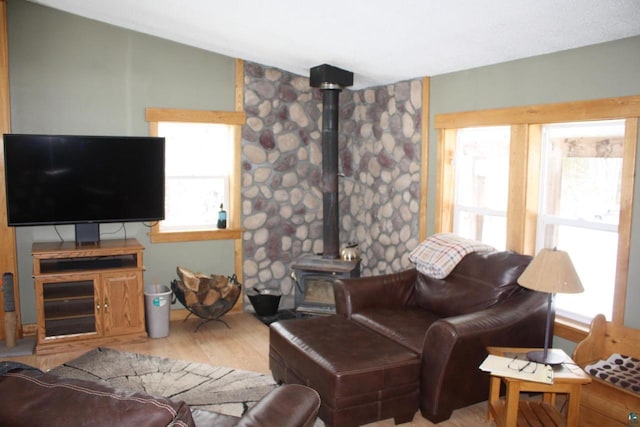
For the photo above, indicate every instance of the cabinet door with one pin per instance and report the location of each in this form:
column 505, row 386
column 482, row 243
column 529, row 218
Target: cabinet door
column 122, row 296
column 67, row 307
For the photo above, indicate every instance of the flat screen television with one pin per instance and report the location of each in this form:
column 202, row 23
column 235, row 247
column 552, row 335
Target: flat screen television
column 83, row 180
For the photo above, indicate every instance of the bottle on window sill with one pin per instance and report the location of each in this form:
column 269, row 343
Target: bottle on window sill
column 222, row 218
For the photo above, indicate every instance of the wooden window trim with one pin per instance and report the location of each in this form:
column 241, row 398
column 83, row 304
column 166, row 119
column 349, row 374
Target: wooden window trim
column 424, row 176
column 624, row 223
column 524, row 167
column 445, row 197
column 576, row 111
column 570, row 329
column 233, row 118
column 195, row 116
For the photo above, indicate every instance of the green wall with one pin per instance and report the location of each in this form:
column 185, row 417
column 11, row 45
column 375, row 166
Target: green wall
column 599, row 71
column 72, row 75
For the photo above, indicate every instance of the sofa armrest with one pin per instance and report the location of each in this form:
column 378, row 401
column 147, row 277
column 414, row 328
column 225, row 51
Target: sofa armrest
column 290, row 405
column 383, row 291
column 455, row 347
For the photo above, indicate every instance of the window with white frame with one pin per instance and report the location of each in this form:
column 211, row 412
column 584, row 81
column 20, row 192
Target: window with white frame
column 579, row 208
column 571, row 186
column 202, row 172
column 199, row 159
column 482, row 184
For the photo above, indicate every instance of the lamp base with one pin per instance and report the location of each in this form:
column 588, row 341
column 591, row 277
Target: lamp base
column 551, row 359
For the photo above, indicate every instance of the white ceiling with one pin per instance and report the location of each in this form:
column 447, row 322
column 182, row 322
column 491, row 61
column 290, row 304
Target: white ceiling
column 381, row 41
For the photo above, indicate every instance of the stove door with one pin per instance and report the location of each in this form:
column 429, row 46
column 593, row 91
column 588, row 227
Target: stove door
column 317, row 296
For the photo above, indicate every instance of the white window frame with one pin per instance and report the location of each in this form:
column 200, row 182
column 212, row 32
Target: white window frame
column 579, row 223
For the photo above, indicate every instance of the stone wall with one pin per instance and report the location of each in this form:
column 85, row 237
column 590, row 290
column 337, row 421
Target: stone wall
column 379, row 160
column 382, row 196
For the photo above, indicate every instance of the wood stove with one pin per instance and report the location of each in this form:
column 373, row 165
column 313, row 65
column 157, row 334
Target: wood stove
column 331, row 81
column 314, row 274
column 314, row 277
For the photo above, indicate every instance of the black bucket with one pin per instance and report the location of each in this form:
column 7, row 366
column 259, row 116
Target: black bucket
column 264, row 301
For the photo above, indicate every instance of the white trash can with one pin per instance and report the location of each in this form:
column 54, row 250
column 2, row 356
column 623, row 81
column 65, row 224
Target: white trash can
column 157, row 299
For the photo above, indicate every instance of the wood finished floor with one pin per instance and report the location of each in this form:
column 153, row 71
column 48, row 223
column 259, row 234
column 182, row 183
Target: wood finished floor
column 244, row 346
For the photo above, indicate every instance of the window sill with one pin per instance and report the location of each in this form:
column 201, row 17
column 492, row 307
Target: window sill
column 570, row 329
column 192, row 236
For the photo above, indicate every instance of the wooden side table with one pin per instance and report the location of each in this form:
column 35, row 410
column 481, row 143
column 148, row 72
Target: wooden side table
column 510, row 411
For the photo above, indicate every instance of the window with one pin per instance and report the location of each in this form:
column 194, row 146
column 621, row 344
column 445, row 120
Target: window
column 202, row 173
column 482, row 184
column 199, row 157
column 579, row 209
column 570, row 177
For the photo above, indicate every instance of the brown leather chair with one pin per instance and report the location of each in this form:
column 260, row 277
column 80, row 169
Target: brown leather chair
column 450, row 322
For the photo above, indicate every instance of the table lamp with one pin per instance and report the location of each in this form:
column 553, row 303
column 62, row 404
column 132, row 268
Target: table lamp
column 551, row 271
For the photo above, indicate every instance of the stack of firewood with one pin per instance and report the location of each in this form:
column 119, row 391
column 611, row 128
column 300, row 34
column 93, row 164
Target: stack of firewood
column 205, row 289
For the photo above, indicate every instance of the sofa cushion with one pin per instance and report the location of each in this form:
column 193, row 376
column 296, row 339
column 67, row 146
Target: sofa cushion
column 406, row 326
column 479, row 281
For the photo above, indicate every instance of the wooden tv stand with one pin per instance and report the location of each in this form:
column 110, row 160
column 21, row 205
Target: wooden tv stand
column 88, row 295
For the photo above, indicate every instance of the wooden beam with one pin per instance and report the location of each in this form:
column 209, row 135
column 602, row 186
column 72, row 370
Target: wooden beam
column 524, row 186
column 8, row 260
column 424, row 173
column 236, row 197
column 516, row 213
column 624, row 222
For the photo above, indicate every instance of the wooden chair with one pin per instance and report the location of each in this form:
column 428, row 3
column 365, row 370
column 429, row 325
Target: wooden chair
column 602, row 403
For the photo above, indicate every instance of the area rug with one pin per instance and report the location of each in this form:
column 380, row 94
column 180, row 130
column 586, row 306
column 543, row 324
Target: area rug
column 212, row 388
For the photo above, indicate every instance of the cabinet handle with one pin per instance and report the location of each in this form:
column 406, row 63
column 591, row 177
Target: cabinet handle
column 106, row 305
column 98, row 307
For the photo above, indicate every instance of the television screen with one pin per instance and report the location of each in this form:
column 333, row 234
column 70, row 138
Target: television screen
column 72, row 179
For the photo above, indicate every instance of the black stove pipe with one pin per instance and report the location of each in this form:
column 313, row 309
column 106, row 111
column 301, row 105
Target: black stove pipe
column 331, row 81
column 330, row 205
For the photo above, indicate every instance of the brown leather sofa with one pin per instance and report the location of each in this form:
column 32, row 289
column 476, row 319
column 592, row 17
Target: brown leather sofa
column 450, row 322
column 29, row 397
column 390, row 326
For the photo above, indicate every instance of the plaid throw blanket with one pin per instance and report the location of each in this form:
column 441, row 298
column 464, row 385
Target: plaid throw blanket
column 439, row 254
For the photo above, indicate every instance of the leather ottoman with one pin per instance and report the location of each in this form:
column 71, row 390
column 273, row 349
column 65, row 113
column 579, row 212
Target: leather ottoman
column 361, row 376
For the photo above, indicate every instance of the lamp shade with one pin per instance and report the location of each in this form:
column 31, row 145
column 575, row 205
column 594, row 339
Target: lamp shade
column 551, row 271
